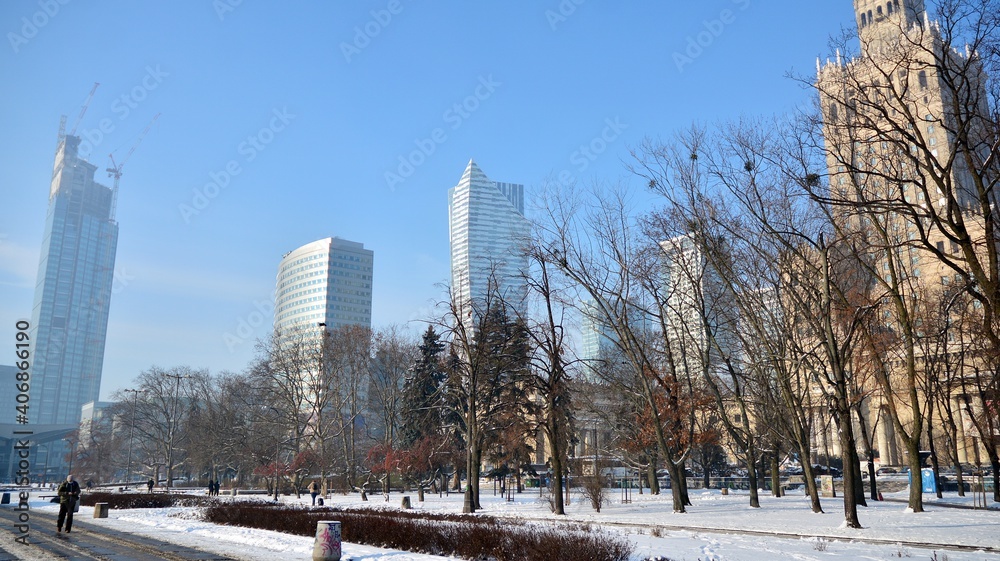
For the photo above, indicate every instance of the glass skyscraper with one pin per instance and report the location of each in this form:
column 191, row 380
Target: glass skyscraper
column 487, row 230
column 69, row 317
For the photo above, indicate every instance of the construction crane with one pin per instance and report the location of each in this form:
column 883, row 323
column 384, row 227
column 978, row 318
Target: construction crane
column 116, row 169
column 83, row 109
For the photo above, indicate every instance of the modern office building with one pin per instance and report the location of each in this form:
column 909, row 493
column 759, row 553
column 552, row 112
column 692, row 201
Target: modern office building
column 327, row 281
column 701, row 317
column 487, row 231
column 73, row 291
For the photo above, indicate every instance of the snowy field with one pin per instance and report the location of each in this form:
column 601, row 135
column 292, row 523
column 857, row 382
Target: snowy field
column 715, row 525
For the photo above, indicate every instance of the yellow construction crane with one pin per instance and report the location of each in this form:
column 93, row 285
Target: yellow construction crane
column 116, row 169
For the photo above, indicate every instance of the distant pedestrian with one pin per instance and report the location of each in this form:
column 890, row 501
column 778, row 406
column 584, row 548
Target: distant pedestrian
column 149, row 486
column 314, row 491
column 69, row 493
column 211, row 488
column 215, row 489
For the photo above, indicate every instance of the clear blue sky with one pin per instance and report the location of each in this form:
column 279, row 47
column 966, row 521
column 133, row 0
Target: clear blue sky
column 547, row 83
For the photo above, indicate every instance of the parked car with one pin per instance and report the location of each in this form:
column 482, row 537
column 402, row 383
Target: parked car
column 823, row 470
column 886, row 471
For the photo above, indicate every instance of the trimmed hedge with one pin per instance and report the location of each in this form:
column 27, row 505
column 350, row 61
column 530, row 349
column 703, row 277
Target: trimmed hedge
column 479, row 538
column 143, row 500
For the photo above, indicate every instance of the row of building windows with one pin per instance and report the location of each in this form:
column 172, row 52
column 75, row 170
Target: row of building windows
column 868, row 18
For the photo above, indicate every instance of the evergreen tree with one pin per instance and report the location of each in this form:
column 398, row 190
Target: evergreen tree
column 421, row 414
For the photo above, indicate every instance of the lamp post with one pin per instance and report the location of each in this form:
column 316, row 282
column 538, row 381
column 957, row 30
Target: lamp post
column 277, row 452
column 72, row 450
column 131, row 433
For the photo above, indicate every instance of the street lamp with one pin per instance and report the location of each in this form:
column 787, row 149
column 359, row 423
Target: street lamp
column 72, row 450
column 277, row 452
column 131, row 433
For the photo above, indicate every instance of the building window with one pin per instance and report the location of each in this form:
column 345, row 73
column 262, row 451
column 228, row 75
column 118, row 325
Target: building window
column 889, row 8
column 879, row 11
column 864, row 20
column 922, row 79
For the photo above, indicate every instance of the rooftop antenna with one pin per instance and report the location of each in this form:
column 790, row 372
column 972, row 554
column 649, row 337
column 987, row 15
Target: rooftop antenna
column 116, row 170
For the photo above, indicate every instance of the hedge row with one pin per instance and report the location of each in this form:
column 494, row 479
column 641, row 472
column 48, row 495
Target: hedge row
column 143, row 500
column 478, row 538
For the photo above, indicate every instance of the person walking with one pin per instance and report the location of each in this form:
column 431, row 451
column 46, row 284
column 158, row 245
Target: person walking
column 69, row 493
column 149, row 486
column 314, row 491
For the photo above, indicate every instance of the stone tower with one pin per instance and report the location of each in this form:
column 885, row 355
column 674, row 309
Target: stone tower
column 882, row 20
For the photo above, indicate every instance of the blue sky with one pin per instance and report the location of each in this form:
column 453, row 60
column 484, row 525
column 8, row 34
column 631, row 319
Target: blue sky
column 302, row 109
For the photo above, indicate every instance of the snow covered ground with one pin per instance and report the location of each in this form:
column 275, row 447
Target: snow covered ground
column 715, row 523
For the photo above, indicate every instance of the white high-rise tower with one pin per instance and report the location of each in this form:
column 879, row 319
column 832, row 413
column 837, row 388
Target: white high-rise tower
column 488, row 230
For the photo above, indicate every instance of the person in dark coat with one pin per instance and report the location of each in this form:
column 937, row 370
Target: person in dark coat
column 69, row 493
column 149, row 486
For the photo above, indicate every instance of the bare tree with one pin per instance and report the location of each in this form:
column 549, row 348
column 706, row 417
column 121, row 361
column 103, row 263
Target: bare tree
column 161, row 416
column 486, row 369
column 551, row 362
column 604, row 253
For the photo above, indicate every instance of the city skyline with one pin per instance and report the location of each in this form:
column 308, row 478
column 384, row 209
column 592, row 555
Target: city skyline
column 346, row 123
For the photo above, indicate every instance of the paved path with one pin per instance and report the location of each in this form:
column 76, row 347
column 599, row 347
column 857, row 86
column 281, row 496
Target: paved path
column 87, row 541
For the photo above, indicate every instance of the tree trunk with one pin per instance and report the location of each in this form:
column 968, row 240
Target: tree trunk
column 557, row 485
column 866, row 441
column 916, row 502
column 847, row 444
column 654, row 485
column 859, row 484
column 995, row 462
column 936, row 466
column 752, row 473
column 775, row 476
column 683, row 485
